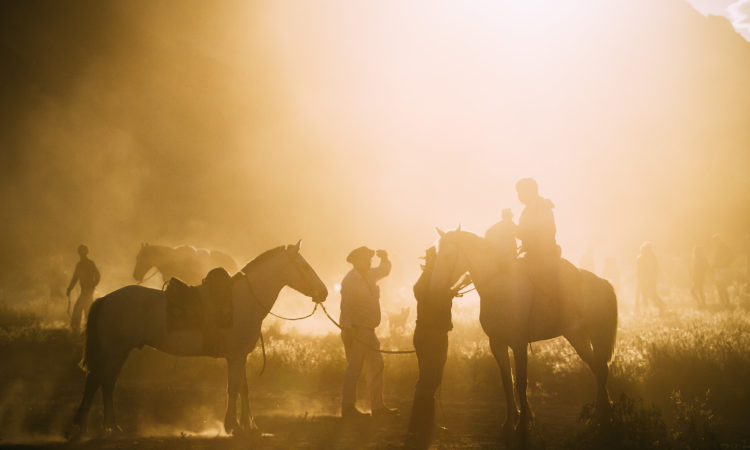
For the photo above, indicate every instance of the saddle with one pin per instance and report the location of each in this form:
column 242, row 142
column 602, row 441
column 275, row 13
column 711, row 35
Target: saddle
column 206, row 306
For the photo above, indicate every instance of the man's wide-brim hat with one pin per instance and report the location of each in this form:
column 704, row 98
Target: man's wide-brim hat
column 360, row 254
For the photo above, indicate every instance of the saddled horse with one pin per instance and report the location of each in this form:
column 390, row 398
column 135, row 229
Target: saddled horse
column 513, row 316
column 186, row 262
column 134, row 316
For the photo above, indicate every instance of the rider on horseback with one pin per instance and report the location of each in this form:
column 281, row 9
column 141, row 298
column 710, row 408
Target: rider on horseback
column 536, row 226
column 555, row 278
column 502, row 236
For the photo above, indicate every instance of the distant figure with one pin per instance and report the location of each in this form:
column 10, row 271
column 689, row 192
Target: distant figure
column 431, row 343
column 698, row 271
column 536, row 226
column 360, row 315
column 722, row 261
column 502, row 236
column 87, row 275
column 648, row 279
column 612, row 272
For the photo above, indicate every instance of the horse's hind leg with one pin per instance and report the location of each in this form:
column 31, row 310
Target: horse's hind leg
column 582, row 345
column 78, row 428
column 500, row 352
column 521, row 358
column 108, row 386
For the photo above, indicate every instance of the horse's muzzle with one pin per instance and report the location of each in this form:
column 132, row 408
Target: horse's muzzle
column 321, row 296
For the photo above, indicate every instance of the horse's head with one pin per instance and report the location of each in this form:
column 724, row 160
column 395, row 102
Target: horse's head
column 301, row 277
column 451, row 262
column 143, row 262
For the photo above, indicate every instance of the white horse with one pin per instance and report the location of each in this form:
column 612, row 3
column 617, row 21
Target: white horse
column 134, row 316
column 514, row 312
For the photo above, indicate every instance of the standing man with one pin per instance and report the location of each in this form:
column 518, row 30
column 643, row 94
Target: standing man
column 431, row 344
column 88, row 276
column 360, row 315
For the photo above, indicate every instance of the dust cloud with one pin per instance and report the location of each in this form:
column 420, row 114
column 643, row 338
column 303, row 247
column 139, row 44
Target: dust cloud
column 240, row 126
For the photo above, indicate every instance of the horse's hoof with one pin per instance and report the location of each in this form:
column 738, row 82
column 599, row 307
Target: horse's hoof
column 231, row 427
column 74, row 433
column 112, row 431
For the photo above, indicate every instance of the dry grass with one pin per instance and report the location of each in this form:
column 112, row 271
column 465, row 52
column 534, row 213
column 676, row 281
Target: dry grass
column 679, row 382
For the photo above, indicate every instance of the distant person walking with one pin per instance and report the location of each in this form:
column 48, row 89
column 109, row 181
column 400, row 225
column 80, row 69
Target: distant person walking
column 722, row 261
column 698, row 271
column 648, row 279
column 360, row 315
column 87, row 275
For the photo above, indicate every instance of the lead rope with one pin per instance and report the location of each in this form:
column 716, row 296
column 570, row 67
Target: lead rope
column 390, row 352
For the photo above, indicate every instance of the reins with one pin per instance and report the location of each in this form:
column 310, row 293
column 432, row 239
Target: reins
column 268, row 311
column 315, row 308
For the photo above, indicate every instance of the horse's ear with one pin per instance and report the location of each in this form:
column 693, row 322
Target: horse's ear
column 296, row 246
column 459, row 227
column 440, row 232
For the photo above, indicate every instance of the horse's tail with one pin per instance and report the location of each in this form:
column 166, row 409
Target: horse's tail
column 606, row 332
column 91, row 351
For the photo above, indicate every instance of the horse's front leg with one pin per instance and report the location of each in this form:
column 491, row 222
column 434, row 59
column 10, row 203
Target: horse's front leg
column 526, row 417
column 233, row 386
column 500, row 352
column 247, row 423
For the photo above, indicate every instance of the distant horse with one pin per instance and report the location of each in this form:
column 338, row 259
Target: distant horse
column 134, row 316
column 186, row 263
column 512, row 315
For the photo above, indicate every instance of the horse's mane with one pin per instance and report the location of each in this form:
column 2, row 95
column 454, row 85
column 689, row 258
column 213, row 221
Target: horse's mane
column 268, row 254
column 459, row 236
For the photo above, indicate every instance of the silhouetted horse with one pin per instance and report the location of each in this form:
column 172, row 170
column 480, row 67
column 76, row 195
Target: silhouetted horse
column 512, row 315
column 135, row 316
column 186, row 263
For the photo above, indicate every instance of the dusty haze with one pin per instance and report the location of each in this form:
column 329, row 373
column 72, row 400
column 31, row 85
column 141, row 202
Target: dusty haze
column 243, row 126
